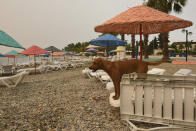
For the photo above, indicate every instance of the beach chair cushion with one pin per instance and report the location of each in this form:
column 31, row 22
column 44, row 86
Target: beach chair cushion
column 156, row 71
column 183, row 72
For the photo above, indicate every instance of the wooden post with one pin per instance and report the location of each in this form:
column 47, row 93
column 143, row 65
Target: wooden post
column 35, row 63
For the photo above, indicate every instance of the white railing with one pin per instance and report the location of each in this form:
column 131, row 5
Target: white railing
column 167, row 100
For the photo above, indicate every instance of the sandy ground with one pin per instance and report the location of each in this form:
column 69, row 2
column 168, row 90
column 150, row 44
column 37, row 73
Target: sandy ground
column 64, row 100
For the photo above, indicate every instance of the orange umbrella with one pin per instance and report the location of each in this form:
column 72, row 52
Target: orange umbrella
column 58, row 54
column 142, row 20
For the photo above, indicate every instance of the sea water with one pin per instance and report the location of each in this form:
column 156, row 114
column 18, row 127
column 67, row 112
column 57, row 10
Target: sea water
column 6, row 60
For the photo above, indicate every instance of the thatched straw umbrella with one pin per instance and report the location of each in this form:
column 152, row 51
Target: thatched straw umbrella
column 34, row 50
column 142, row 20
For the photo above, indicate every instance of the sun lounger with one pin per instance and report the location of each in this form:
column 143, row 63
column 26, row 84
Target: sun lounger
column 87, row 72
column 103, row 76
column 156, row 71
column 39, row 69
column 9, row 81
column 183, row 72
column 7, row 70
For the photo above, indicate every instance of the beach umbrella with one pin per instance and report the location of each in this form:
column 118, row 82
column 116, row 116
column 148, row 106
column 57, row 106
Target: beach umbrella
column 13, row 54
column 52, row 49
column 34, row 50
column 119, row 50
column 7, row 40
column 92, row 46
column 67, row 52
column 91, row 50
column 1, row 55
column 108, row 40
column 112, row 51
column 64, row 51
column 45, row 55
column 142, row 20
column 58, row 54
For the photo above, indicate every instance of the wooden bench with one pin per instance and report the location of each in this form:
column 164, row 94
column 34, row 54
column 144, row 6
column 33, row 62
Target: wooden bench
column 159, row 99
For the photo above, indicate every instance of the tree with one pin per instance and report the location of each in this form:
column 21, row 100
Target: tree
column 146, row 46
column 78, row 47
column 133, row 46
column 167, row 6
column 152, row 45
column 174, row 46
column 181, row 46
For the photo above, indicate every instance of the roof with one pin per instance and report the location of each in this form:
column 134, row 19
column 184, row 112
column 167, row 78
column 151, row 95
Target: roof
column 151, row 20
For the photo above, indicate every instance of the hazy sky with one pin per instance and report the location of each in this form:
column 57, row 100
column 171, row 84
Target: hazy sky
column 60, row 22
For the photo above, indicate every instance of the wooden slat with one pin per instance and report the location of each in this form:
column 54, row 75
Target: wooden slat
column 148, row 100
column 138, row 100
column 126, row 104
column 178, row 104
column 167, row 103
column 157, row 108
column 188, row 105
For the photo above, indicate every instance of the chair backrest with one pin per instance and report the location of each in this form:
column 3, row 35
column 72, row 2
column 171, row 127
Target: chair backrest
column 158, row 99
column 7, row 69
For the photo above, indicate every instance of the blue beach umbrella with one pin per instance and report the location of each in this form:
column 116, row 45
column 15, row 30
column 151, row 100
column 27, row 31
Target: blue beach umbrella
column 108, row 40
column 67, row 52
column 112, row 51
column 1, row 55
column 91, row 50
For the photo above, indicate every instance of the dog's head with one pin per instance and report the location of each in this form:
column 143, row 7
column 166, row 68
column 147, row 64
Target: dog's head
column 97, row 64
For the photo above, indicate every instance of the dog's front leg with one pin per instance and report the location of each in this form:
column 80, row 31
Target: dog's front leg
column 117, row 89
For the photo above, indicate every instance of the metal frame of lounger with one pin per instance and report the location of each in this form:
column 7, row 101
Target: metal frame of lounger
column 6, row 80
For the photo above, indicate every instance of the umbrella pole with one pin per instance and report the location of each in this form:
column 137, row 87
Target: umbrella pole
column 52, row 56
column 35, row 63
column 14, row 61
column 141, row 51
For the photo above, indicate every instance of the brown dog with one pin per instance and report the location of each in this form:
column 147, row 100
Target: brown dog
column 116, row 69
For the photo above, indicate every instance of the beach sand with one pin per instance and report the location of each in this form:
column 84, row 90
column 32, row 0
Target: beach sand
column 63, row 100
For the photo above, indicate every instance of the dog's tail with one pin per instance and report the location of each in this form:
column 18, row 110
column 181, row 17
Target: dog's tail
column 158, row 63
